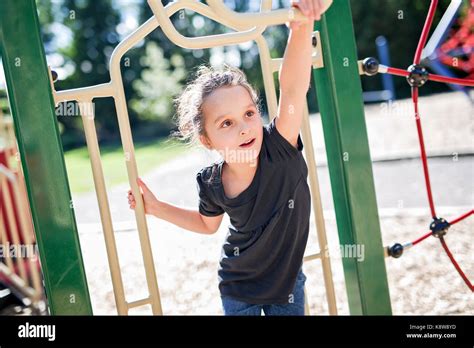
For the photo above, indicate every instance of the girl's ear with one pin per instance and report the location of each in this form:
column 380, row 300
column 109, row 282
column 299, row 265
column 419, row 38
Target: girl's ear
column 205, row 142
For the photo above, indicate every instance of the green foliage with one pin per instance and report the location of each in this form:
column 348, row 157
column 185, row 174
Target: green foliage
column 46, row 17
column 157, row 85
column 92, row 25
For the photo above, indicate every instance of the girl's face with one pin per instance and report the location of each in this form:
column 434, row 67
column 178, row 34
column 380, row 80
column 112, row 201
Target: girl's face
column 233, row 125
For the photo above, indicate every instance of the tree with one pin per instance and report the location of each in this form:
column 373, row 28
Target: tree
column 157, row 86
column 94, row 36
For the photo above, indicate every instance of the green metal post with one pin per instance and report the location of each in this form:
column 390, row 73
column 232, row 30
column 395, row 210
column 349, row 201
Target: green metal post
column 32, row 108
column 339, row 94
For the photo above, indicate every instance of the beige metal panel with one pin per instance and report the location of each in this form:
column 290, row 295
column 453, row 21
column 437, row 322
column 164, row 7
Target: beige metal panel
column 104, row 209
column 139, row 303
column 87, row 93
column 131, row 165
column 162, row 15
column 312, row 257
column 267, row 74
column 318, row 214
column 248, row 20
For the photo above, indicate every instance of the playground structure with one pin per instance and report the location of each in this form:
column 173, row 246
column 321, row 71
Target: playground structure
column 343, row 124
column 417, row 76
column 439, row 53
column 388, row 91
column 19, row 269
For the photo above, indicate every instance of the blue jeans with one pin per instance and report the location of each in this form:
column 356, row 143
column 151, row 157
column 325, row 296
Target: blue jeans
column 295, row 305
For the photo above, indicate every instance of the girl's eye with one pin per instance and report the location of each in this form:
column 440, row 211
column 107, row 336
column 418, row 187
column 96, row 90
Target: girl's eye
column 251, row 113
column 226, row 123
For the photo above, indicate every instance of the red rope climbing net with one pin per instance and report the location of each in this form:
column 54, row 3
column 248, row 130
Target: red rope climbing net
column 460, row 44
column 417, row 77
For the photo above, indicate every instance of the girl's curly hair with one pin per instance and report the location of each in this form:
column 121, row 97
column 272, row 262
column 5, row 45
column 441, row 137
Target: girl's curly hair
column 189, row 116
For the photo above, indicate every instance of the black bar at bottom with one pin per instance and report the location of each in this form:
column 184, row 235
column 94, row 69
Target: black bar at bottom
column 137, row 330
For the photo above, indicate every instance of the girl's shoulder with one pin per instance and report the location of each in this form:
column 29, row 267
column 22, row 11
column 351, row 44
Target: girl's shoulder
column 211, row 174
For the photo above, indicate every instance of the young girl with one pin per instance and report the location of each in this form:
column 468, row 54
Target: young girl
column 261, row 183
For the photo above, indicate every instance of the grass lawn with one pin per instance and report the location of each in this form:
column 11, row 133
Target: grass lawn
column 148, row 156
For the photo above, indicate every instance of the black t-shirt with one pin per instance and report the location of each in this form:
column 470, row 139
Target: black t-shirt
column 264, row 248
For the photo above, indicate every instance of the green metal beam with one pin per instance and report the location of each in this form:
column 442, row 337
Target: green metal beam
column 40, row 147
column 339, row 93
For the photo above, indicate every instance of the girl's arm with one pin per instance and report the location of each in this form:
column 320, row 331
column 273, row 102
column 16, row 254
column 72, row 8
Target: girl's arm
column 295, row 72
column 188, row 219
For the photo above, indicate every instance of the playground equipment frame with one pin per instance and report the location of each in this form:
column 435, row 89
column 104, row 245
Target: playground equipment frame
column 33, row 97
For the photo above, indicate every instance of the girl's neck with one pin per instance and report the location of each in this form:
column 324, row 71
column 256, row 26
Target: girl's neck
column 238, row 170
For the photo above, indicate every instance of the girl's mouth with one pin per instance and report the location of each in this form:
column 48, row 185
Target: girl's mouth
column 248, row 143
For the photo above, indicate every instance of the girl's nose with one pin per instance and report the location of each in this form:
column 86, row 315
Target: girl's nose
column 244, row 130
